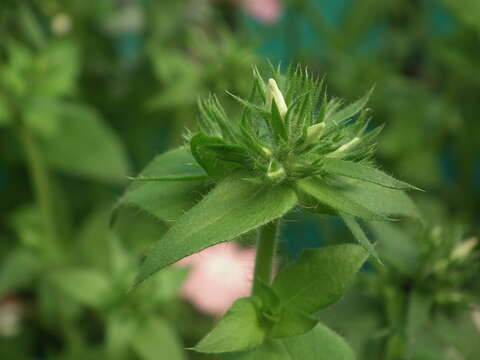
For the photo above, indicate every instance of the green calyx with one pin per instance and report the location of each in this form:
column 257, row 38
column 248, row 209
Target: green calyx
column 287, row 129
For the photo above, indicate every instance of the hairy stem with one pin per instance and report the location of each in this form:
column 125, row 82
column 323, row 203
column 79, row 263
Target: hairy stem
column 266, row 245
column 41, row 184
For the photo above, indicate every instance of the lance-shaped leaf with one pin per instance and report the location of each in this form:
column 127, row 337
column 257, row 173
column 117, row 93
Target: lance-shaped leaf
column 379, row 199
column 167, row 200
column 335, row 198
column 320, row 277
column 358, row 171
column 319, row 344
column 239, row 330
column 359, row 234
column 233, row 207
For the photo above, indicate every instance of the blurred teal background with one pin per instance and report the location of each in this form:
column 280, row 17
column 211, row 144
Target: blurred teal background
column 90, row 91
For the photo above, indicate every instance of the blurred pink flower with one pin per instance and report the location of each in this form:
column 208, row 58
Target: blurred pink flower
column 219, row 275
column 267, row 11
column 11, row 313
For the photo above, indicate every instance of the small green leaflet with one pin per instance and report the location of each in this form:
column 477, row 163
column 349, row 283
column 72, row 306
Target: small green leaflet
column 335, row 198
column 321, row 343
column 238, row 330
column 232, row 208
column 216, row 168
column 320, row 277
column 358, row 171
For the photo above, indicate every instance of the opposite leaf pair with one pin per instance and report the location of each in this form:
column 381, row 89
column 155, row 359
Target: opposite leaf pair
column 284, row 309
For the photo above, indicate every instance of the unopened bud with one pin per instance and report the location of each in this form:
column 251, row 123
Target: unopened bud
column 276, row 172
column 462, row 250
column 314, row 133
column 274, row 93
column 344, row 147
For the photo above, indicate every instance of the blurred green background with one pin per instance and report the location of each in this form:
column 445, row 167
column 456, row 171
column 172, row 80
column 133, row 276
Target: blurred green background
column 90, row 91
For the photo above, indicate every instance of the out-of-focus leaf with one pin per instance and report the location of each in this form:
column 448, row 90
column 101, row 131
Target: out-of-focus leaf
column 418, row 316
column 320, row 277
column 91, row 241
column 396, row 248
column 5, row 116
column 238, row 330
column 86, row 286
column 166, row 201
column 85, row 146
column 19, row 269
column 56, row 70
column 154, row 339
column 232, row 208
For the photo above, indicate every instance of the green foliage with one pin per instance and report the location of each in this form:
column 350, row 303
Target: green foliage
column 232, row 208
column 319, row 278
column 171, row 199
column 320, row 344
column 239, row 330
column 280, row 144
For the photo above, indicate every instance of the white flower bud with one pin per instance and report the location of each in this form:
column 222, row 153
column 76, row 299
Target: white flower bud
column 274, row 93
column 344, row 147
column 314, row 133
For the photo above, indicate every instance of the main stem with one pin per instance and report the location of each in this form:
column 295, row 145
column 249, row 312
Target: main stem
column 266, row 245
column 41, row 184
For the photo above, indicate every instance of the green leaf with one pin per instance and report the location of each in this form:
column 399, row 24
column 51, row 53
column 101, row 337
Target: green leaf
column 238, row 330
column 319, row 344
column 291, row 322
column 320, row 277
column 200, row 146
column 18, row 270
column 87, row 286
column 380, row 200
column 155, row 339
column 350, row 110
column 232, row 208
column 362, row 172
column 82, row 132
column 359, row 234
column 166, row 201
column 281, row 321
column 335, row 198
